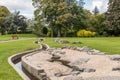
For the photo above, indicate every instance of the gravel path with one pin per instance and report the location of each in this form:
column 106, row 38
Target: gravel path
column 11, row 40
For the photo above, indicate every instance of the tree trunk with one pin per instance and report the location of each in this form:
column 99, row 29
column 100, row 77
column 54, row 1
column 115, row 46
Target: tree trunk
column 65, row 33
column 59, row 32
column 52, row 32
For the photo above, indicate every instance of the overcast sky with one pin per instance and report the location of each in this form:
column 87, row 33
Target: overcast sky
column 26, row 8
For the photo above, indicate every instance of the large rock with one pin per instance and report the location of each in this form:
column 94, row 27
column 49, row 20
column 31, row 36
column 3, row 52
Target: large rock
column 56, row 39
column 115, row 57
column 116, row 68
column 95, row 52
column 55, row 57
column 44, row 46
column 63, row 42
column 58, row 52
column 89, row 70
column 58, row 74
column 86, row 49
column 41, row 39
column 79, row 49
column 79, row 61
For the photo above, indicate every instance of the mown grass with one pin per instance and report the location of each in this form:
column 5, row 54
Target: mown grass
column 111, row 45
column 6, row 50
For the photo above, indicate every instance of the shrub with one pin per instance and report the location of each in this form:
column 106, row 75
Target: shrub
column 48, row 34
column 85, row 33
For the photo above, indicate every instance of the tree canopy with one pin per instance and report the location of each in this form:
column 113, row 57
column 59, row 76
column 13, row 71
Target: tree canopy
column 3, row 13
column 60, row 15
column 96, row 10
column 15, row 22
column 113, row 17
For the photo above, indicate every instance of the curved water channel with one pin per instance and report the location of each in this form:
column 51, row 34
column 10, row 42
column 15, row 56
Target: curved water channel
column 15, row 62
column 19, row 66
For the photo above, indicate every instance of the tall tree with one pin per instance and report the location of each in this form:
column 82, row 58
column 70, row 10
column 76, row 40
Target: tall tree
column 57, row 13
column 3, row 13
column 113, row 17
column 15, row 22
column 96, row 10
column 98, row 23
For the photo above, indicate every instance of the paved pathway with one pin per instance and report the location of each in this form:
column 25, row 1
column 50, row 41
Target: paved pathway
column 11, row 40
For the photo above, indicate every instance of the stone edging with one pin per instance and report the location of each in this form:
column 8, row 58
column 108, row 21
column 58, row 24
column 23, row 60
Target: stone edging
column 33, row 70
column 12, row 58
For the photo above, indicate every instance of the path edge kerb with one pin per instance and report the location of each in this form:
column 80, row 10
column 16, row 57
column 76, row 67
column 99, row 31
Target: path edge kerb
column 12, row 58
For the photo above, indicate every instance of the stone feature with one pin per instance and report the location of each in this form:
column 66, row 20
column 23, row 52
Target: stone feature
column 86, row 49
column 115, row 57
column 73, row 78
column 116, row 68
column 55, row 57
column 72, row 63
column 61, row 41
column 79, row 61
column 89, row 70
column 41, row 39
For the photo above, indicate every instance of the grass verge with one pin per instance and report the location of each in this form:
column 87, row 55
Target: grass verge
column 110, row 45
column 6, row 50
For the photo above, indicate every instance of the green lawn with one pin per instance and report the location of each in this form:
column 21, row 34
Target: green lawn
column 110, row 45
column 7, row 49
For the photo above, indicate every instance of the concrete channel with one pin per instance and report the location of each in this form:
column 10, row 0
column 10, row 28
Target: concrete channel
column 15, row 62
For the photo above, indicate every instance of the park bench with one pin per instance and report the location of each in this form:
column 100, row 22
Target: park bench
column 15, row 36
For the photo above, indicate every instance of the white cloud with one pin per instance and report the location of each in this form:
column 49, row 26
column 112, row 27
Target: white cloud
column 24, row 6
column 101, row 4
column 104, row 6
column 97, row 3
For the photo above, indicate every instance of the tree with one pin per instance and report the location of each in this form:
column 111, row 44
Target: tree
column 44, row 7
column 95, row 23
column 88, row 20
column 15, row 22
column 79, row 20
column 98, row 23
column 57, row 13
column 96, row 10
column 31, row 23
column 113, row 18
column 3, row 13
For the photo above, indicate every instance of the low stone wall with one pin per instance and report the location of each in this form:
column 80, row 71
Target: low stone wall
column 72, row 63
column 33, row 70
column 12, row 60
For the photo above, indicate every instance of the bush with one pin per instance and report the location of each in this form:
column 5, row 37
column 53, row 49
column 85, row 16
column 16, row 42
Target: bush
column 85, row 33
column 71, row 34
column 48, row 34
